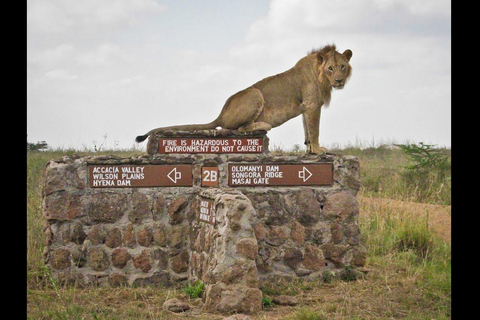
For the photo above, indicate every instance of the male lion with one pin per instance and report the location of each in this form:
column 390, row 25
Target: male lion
column 274, row 100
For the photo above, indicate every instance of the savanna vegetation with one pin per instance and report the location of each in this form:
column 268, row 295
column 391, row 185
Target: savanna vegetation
column 405, row 223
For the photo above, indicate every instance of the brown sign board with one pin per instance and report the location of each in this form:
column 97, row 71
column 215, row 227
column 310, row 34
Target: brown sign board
column 318, row 174
column 209, row 176
column 210, row 145
column 206, row 210
column 128, row 176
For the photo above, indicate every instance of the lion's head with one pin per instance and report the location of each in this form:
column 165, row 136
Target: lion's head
column 334, row 67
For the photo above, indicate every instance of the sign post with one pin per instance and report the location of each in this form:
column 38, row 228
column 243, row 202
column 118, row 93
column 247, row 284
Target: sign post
column 118, row 176
column 207, row 210
column 241, row 175
column 210, row 145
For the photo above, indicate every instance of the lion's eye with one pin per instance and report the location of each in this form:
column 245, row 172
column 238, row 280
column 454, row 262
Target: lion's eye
column 330, row 68
column 342, row 66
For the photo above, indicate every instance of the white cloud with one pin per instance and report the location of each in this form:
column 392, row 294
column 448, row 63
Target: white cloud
column 104, row 54
column 129, row 81
column 50, row 58
column 64, row 16
column 60, row 75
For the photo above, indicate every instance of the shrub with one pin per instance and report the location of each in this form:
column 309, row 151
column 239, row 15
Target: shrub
column 348, row 274
column 267, row 302
column 428, row 174
column 194, row 291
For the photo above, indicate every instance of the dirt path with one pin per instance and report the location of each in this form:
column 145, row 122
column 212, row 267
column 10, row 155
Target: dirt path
column 439, row 216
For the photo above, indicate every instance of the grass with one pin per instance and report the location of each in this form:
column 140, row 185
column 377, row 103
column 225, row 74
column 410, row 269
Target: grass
column 195, row 290
column 404, row 221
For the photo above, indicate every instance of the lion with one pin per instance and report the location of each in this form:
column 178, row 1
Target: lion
column 301, row 90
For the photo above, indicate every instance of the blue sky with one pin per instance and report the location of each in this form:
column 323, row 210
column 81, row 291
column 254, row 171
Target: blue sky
column 118, row 68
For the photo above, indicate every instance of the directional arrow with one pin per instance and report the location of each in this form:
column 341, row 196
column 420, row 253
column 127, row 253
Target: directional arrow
column 174, row 175
column 303, row 174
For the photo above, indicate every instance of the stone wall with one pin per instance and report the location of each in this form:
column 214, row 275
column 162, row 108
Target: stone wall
column 223, row 256
column 114, row 236
column 154, row 236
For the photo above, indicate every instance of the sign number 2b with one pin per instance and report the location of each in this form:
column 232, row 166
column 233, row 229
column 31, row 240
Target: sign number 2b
column 209, row 176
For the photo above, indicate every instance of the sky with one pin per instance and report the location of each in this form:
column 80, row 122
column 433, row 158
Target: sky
column 99, row 73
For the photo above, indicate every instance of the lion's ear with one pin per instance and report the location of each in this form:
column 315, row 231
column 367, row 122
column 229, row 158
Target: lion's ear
column 347, row 54
column 320, row 57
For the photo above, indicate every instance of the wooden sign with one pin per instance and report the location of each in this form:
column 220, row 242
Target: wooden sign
column 210, row 145
column 207, row 210
column 121, row 176
column 240, row 175
column 209, row 176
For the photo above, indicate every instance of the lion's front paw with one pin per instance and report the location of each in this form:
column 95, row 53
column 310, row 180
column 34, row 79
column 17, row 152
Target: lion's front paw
column 318, row 150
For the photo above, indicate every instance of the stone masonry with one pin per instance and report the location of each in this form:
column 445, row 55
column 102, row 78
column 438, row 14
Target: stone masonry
column 153, row 236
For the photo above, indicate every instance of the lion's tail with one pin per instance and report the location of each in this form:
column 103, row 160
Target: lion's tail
column 187, row 127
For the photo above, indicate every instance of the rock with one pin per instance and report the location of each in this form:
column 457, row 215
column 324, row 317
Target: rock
column 143, row 261
column 293, row 257
column 175, row 305
column 77, row 234
column 97, row 235
column 179, row 263
column 247, row 247
column 107, row 207
column 285, row 300
column 117, row 280
column 113, row 238
column 62, row 206
column 313, row 258
column 342, row 204
column 141, row 208
column 144, row 237
column 298, row 233
column 129, row 236
column 97, row 258
column 175, row 208
column 159, row 236
column 120, row 257
column 277, row 235
column 60, row 259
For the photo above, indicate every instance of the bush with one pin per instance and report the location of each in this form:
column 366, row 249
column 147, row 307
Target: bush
column 267, row 302
column 39, row 146
column 418, row 240
column 194, row 291
column 428, row 174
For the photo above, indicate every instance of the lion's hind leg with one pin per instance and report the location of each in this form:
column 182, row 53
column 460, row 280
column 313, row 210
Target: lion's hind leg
column 241, row 111
column 255, row 126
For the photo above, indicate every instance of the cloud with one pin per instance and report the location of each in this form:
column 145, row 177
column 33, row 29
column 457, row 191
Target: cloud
column 59, row 75
column 104, row 54
column 63, row 16
column 50, row 58
column 294, row 22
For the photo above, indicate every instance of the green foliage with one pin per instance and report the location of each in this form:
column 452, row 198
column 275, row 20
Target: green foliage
column 306, row 314
column 417, row 238
column 194, row 291
column 428, row 172
column 39, row 146
column 267, row 302
column 425, row 157
column 327, row 276
column 348, row 274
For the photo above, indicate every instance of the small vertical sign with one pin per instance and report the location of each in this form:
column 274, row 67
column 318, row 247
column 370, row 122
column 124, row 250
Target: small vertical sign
column 209, row 176
column 207, row 210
